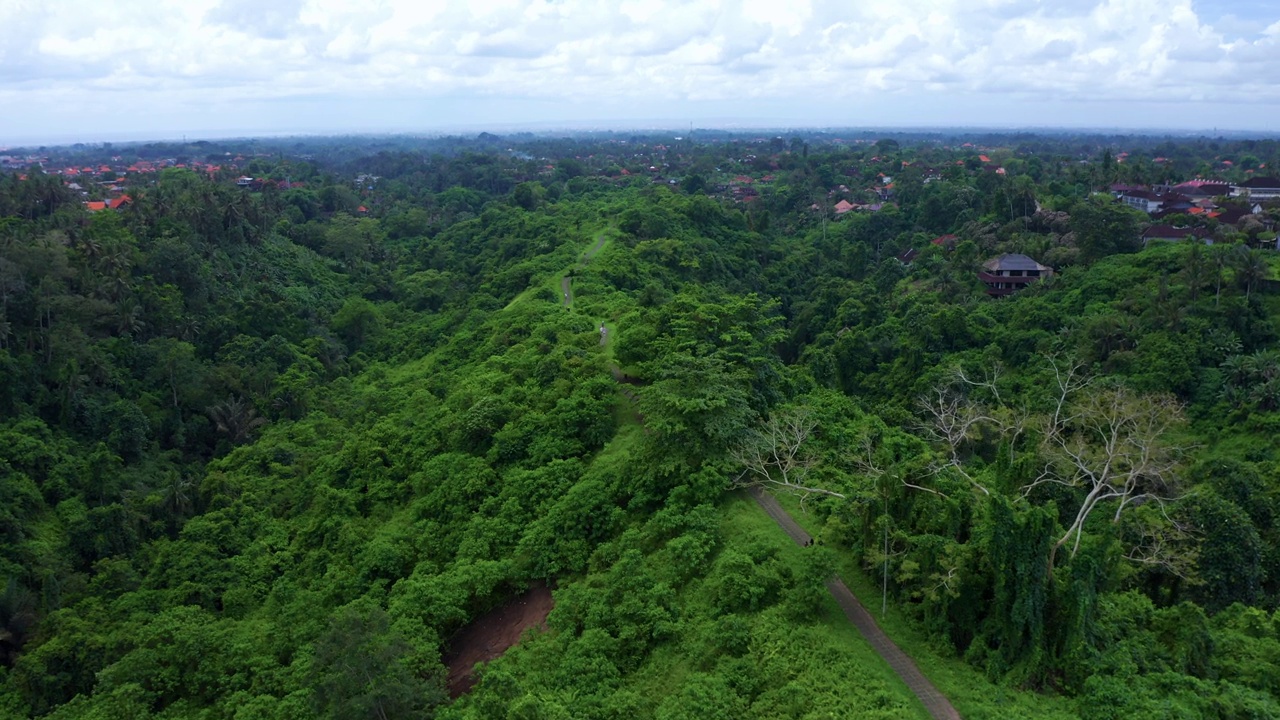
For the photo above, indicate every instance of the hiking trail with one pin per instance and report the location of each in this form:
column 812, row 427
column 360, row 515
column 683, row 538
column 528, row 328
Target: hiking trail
column 935, row 702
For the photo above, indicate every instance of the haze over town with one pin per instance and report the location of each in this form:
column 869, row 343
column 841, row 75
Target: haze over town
column 92, row 71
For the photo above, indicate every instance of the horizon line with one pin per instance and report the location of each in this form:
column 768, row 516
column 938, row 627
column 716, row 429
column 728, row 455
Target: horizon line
column 656, row 125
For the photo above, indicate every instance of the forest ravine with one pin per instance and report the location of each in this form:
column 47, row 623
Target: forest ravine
column 279, row 417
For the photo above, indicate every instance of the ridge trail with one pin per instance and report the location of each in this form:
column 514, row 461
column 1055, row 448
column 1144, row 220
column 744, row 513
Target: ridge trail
column 566, row 282
column 935, row 702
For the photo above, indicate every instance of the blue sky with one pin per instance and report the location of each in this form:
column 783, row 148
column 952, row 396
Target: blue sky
column 133, row 69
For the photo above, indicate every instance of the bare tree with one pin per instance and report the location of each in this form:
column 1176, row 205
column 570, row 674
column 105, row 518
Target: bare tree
column 777, row 455
column 953, row 415
column 870, row 462
column 1070, row 377
column 1109, row 442
column 1113, row 444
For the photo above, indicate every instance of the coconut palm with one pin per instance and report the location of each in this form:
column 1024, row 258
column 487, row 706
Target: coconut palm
column 236, row 418
column 1251, row 268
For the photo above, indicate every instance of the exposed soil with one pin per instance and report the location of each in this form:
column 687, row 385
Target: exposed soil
column 492, row 634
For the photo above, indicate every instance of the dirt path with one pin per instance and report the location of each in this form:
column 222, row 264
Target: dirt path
column 493, row 634
column 935, row 702
column 566, row 289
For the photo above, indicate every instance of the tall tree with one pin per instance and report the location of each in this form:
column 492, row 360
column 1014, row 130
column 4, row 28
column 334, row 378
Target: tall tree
column 363, row 668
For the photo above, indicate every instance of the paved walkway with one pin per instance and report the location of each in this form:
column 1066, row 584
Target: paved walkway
column 935, row 702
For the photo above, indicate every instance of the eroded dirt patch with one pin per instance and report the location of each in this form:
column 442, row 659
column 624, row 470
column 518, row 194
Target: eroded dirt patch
column 492, row 634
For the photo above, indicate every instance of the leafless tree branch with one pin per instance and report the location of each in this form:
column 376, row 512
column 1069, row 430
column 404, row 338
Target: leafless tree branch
column 867, row 464
column 950, row 420
column 1113, row 444
column 776, row 455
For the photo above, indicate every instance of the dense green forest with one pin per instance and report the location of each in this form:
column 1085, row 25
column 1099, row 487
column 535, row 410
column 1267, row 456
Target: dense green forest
column 265, row 450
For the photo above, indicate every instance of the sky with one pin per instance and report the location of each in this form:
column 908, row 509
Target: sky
column 99, row 70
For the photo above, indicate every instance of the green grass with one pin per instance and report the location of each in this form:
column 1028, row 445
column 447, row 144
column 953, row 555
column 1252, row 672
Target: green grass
column 589, row 251
column 599, row 241
column 974, row 695
column 744, row 519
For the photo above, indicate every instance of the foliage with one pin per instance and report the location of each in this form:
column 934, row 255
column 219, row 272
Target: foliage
column 265, row 449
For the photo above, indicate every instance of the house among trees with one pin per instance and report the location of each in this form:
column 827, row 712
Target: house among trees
column 1258, row 188
column 1168, row 233
column 1010, row 273
column 1160, row 204
column 113, row 204
column 1144, row 200
column 1200, row 189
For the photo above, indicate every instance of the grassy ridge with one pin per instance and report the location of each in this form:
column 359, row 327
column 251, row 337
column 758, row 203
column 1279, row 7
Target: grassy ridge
column 789, row 652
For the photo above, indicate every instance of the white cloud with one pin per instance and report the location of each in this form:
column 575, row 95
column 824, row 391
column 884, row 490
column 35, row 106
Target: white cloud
column 223, row 52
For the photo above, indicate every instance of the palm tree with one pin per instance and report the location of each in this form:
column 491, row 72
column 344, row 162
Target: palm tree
column 91, row 249
column 177, row 492
column 11, row 281
column 1219, row 264
column 115, row 267
column 1110, row 333
column 1237, row 370
column 1266, row 395
column 1251, row 268
column 130, row 320
column 236, row 418
column 1264, row 365
column 1165, row 310
column 189, row 328
column 1196, row 272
